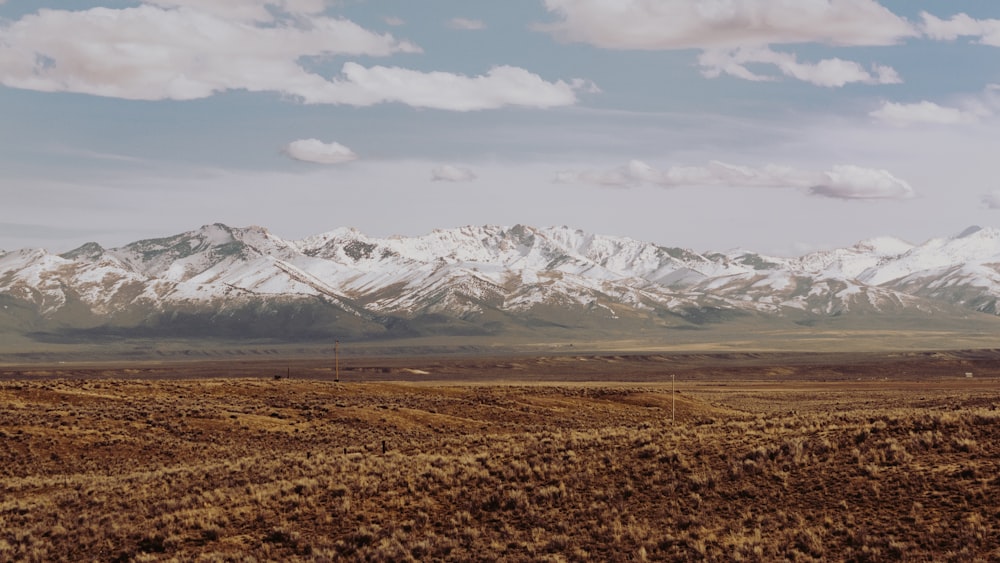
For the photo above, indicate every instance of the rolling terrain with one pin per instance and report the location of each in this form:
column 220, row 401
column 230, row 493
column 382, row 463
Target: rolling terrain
column 754, row 457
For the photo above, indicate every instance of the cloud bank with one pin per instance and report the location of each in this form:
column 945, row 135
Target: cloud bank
column 840, row 182
column 174, row 50
column 314, row 150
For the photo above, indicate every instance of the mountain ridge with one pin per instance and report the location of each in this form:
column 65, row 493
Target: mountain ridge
column 246, row 282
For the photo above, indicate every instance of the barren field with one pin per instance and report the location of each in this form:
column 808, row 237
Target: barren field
column 753, row 457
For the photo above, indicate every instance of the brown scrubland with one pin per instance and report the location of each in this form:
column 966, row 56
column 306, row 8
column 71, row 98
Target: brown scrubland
column 762, row 459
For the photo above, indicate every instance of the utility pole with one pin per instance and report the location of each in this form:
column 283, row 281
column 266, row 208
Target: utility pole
column 336, row 361
column 673, row 399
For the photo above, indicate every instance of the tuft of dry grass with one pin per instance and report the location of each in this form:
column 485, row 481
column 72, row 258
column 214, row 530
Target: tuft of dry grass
column 263, row 469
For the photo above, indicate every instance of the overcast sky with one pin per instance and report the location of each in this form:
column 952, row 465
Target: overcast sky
column 780, row 126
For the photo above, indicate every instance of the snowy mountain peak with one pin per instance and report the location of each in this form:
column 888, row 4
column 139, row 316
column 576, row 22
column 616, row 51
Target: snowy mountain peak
column 884, row 246
column 181, row 254
column 970, row 231
column 187, row 243
column 88, row 251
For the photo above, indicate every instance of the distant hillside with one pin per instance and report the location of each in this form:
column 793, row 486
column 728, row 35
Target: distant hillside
column 518, row 283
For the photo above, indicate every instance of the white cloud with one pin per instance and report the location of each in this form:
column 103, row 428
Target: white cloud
column 394, row 21
column 247, row 10
column 985, row 104
column 466, row 24
column 727, row 24
column 962, row 25
column 964, row 110
column 992, row 200
column 314, row 150
column 451, row 173
column 922, row 112
column 501, row 86
column 735, row 33
column 854, row 182
column 154, row 53
column 830, row 73
column 842, row 181
column 633, row 174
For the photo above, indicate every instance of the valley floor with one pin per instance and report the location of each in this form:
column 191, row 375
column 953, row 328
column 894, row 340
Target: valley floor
column 745, row 457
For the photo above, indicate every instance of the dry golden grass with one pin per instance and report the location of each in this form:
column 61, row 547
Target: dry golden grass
column 289, row 469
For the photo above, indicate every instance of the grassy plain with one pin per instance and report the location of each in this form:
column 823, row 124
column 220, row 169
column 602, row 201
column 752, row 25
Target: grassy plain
column 755, row 457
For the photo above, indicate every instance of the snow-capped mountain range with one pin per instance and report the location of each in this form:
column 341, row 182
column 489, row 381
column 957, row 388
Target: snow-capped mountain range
column 219, row 280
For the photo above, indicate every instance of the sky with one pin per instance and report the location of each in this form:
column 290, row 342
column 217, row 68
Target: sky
column 778, row 126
